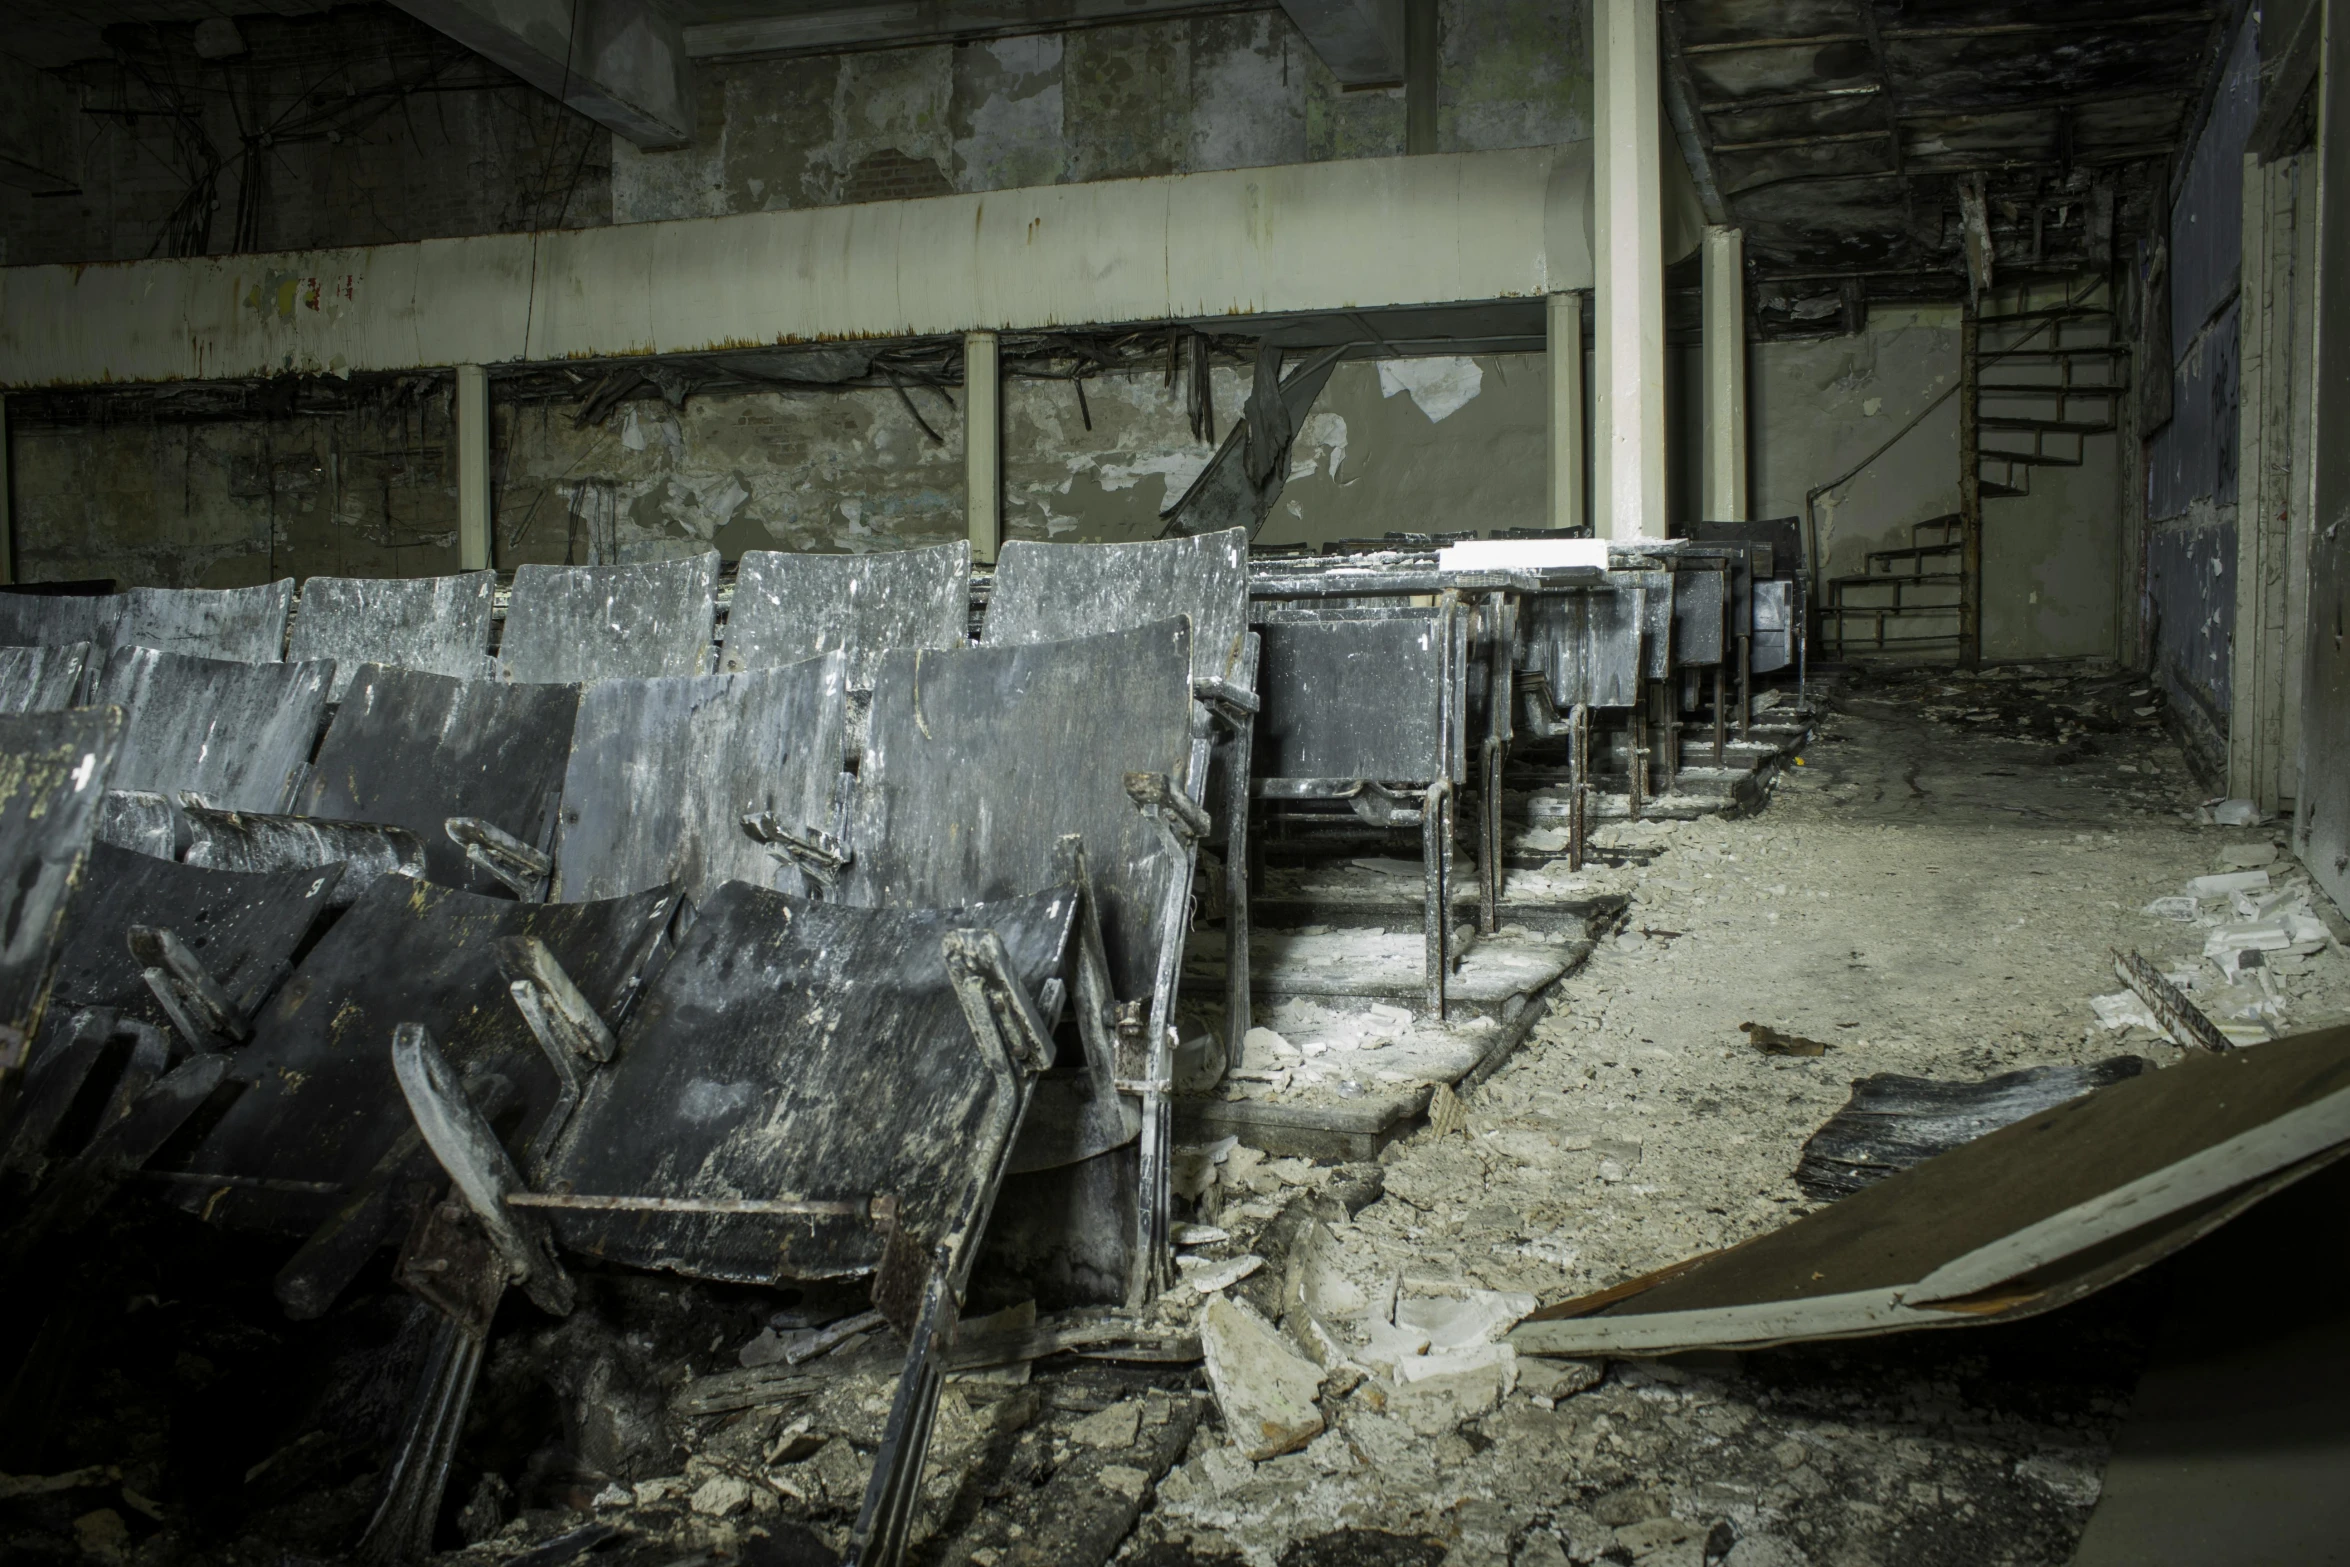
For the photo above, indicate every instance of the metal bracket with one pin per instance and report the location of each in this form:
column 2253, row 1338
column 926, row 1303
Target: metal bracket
column 1380, row 806
column 1159, row 797
column 461, row 1139
column 567, row 1028
column 818, row 855
column 194, row 1001
column 1231, row 702
column 981, row 973
column 520, row 868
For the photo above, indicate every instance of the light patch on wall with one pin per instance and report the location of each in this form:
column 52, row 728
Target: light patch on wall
column 1011, row 115
column 1324, row 434
column 1176, row 469
column 1441, row 387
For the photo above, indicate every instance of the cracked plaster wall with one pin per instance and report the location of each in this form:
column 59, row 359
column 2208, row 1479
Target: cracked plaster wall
column 1409, row 445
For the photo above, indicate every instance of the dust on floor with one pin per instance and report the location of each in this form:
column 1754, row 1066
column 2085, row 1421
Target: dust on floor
column 1935, row 890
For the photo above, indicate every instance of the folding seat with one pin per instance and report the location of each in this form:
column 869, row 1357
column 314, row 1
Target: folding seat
column 989, row 772
column 46, row 679
column 807, row 1091
column 53, row 774
column 454, row 780
column 566, row 624
column 704, row 779
column 1368, row 705
column 236, row 736
column 1046, row 592
column 790, row 607
column 245, row 624
column 440, row 625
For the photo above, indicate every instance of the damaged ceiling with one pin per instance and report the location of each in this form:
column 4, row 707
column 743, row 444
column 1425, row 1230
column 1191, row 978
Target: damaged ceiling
column 1837, row 132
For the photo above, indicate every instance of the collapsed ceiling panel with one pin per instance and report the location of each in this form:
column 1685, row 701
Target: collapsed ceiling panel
column 1838, row 131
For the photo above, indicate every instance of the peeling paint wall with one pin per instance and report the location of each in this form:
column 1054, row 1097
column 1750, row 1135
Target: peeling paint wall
column 2191, row 602
column 1820, row 406
column 1163, row 97
column 1396, row 446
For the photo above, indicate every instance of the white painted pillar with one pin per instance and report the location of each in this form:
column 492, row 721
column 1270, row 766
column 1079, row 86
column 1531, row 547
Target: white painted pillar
column 473, row 468
column 1565, row 316
column 7, row 504
column 1628, row 358
column 1725, row 375
column 983, row 443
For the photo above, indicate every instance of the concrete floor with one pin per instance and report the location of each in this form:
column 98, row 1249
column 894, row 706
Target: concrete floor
column 1928, row 895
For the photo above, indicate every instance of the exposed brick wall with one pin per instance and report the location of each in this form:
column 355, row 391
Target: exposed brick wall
column 889, row 175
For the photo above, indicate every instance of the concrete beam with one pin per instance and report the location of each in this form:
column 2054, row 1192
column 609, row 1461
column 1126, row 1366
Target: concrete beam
column 622, row 63
column 1362, row 41
column 1373, row 234
column 1725, row 375
column 473, row 469
column 38, row 114
column 1564, row 314
column 983, row 443
column 7, row 504
column 1628, row 457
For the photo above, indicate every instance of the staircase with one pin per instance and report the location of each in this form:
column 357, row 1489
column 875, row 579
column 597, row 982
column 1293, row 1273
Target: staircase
column 2042, row 382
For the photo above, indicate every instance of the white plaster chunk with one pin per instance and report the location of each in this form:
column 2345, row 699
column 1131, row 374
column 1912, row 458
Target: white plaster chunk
column 1441, row 386
column 1114, row 1427
column 1482, row 1318
column 1437, row 1391
column 1264, row 1388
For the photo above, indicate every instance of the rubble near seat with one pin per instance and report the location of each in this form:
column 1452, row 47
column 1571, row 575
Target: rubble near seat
column 664, row 774
column 1369, row 707
column 791, row 607
column 238, row 735
column 979, row 764
column 807, row 1092
column 440, row 625
column 53, row 774
column 320, row 1135
column 412, row 750
column 45, row 679
column 570, row 624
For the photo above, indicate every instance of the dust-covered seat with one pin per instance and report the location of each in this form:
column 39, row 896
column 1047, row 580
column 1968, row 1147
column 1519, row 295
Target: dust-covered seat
column 454, row 780
column 235, row 736
column 703, row 779
column 989, row 772
column 790, row 607
column 46, row 679
column 1049, row 592
column 567, row 624
column 807, row 1091
column 439, row 625
column 1368, row 707
column 244, row 624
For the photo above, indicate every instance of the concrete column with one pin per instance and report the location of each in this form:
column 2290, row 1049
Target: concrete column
column 1566, row 412
column 1725, row 375
column 983, row 443
column 1628, row 455
column 7, row 504
column 473, row 468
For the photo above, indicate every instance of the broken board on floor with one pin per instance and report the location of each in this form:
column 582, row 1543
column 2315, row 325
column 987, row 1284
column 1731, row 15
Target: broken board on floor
column 2024, row 1220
